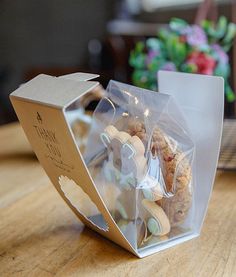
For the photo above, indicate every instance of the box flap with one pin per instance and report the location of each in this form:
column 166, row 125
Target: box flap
column 53, row 91
column 79, row 76
column 201, row 98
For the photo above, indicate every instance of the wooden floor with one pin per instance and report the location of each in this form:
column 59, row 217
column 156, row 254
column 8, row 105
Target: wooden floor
column 40, row 236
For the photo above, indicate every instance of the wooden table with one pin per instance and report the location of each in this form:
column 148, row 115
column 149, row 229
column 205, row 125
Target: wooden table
column 40, row 236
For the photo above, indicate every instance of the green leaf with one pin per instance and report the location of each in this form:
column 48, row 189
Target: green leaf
column 181, row 52
column 137, row 56
column 176, row 50
column 206, row 25
column 169, row 46
column 163, row 49
column 164, row 34
column 218, row 32
column 222, row 69
column 221, row 27
column 231, row 32
column 230, row 96
column 145, row 79
column 189, row 68
column 227, row 47
column 153, row 44
column 156, row 64
column 137, row 60
column 176, row 24
column 139, row 46
column 139, row 78
column 212, row 32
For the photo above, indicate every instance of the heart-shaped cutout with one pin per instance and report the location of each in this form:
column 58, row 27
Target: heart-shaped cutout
column 82, row 202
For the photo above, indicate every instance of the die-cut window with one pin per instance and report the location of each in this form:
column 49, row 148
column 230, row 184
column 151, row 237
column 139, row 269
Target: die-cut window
column 82, row 202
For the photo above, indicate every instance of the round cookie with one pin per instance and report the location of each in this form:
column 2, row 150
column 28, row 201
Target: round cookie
column 158, row 224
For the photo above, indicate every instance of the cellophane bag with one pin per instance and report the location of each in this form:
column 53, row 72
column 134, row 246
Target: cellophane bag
column 139, row 153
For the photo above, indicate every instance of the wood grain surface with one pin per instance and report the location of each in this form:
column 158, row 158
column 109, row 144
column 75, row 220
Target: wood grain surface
column 40, row 236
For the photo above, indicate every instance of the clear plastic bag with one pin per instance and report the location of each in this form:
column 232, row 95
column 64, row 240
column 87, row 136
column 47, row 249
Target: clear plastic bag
column 139, row 153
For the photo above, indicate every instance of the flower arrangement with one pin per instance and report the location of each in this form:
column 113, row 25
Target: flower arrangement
column 186, row 48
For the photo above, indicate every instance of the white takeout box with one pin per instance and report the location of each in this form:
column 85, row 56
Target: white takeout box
column 40, row 105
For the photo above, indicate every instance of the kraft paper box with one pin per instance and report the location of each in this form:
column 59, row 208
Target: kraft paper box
column 147, row 172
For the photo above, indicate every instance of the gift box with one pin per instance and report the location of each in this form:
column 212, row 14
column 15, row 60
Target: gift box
column 145, row 175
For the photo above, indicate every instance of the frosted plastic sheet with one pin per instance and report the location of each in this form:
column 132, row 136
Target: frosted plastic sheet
column 140, row 150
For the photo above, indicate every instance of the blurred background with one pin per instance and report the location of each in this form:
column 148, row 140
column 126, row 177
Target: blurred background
column 58, row 37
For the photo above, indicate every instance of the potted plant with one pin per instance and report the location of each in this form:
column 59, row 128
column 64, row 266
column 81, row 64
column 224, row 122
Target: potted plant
column 186, row 48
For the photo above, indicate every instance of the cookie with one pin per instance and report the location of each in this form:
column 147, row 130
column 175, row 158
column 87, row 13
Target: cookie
column 133, row 159
column 158, row 223
column 137, row 128
column 152, row 192
column 176, row 171
column 126, row 153
column 177, row 174
column 108, row 134
column 126, row 166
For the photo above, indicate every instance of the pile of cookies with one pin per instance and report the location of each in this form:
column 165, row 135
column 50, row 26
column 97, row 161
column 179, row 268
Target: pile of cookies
column 176, row 171
column 160, row 201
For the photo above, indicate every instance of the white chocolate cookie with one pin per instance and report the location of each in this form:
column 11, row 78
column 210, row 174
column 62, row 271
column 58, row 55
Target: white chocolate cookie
column 133, row 160
column 126, row 153
column 116, row 146
column 108, row 134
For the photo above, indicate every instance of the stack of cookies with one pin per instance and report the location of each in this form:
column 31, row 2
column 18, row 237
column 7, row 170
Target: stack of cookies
column 164, row 202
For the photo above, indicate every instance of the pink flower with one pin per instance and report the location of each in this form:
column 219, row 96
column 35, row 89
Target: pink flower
column 169, row 66
column 151, row 55
column 205, row 63
column 196, row 36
